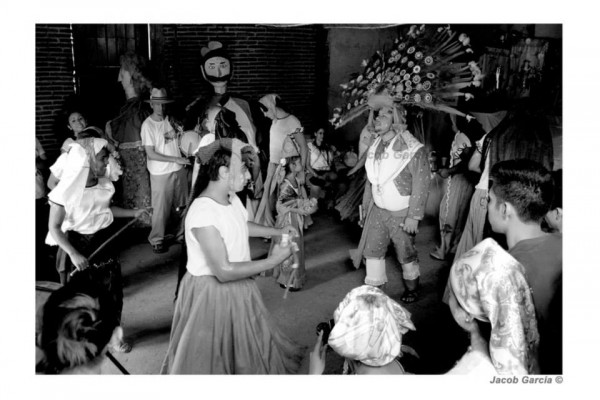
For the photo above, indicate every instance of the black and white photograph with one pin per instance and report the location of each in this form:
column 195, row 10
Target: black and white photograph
column 227, row 194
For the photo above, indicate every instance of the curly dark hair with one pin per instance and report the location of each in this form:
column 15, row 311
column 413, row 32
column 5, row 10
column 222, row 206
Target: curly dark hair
column 525, row 184
column 78, row 322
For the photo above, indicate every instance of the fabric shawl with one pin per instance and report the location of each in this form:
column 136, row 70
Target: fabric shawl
column 369, row 327
column 75, row 169
column 491, row 285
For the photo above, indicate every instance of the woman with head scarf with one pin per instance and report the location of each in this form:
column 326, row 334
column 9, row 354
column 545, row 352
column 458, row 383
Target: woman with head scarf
column 220, row 324
column 81, row 215
column 490, row 291
column 78, row 125
column 367, row 332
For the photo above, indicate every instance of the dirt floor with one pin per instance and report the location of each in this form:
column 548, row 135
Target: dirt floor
column 150, row 281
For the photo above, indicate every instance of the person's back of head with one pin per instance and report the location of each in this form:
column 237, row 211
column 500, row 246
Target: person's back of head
column 78, row 323
column 526, row 185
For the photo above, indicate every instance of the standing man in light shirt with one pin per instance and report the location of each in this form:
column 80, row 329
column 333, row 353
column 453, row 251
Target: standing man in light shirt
column 168, row 178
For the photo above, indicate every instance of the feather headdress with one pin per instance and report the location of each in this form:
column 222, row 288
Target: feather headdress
column 421, row 70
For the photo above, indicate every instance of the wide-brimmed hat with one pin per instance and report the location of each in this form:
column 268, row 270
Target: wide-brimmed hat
column 159, row 96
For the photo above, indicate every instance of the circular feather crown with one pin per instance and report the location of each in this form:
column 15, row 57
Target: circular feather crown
column 420, row 70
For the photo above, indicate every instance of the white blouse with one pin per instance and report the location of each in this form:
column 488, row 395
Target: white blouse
column 93, row 212
column 231, row 221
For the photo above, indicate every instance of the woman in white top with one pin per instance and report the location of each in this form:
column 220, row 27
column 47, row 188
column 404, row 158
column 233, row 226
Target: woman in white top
column 220, row 324
column 81, row 216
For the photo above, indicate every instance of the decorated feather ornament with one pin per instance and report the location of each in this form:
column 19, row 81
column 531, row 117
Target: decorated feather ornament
column 421, row 69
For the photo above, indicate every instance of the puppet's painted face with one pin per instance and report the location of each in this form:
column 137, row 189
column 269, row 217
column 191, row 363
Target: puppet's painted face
column 217, row 70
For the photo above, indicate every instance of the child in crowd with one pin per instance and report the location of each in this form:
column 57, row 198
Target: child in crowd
column 292, row 205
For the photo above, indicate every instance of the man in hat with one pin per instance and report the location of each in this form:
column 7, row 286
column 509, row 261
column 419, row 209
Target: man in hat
column 168, row 178
column 217, row 69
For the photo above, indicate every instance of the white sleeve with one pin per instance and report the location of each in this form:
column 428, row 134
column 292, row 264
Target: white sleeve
column 146, row 134
column 58, row 166
column 202, row 215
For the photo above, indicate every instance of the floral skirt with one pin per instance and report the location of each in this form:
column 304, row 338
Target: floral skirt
column 133, row 188
column 225, row 328
column 454, row 209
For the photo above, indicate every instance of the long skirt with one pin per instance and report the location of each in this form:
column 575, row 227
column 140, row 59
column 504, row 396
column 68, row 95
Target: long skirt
column 264, row 213
column 133, row 188
column 283, row 271
column 347, row 204
column 473, row 232
column 225, row 328
column 454, row 209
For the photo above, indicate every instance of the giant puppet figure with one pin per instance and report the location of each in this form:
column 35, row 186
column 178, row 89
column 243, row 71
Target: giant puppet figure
column 415, row 73
column 217, row 69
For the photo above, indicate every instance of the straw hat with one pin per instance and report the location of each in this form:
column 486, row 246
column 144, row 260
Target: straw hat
column 159, row 96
